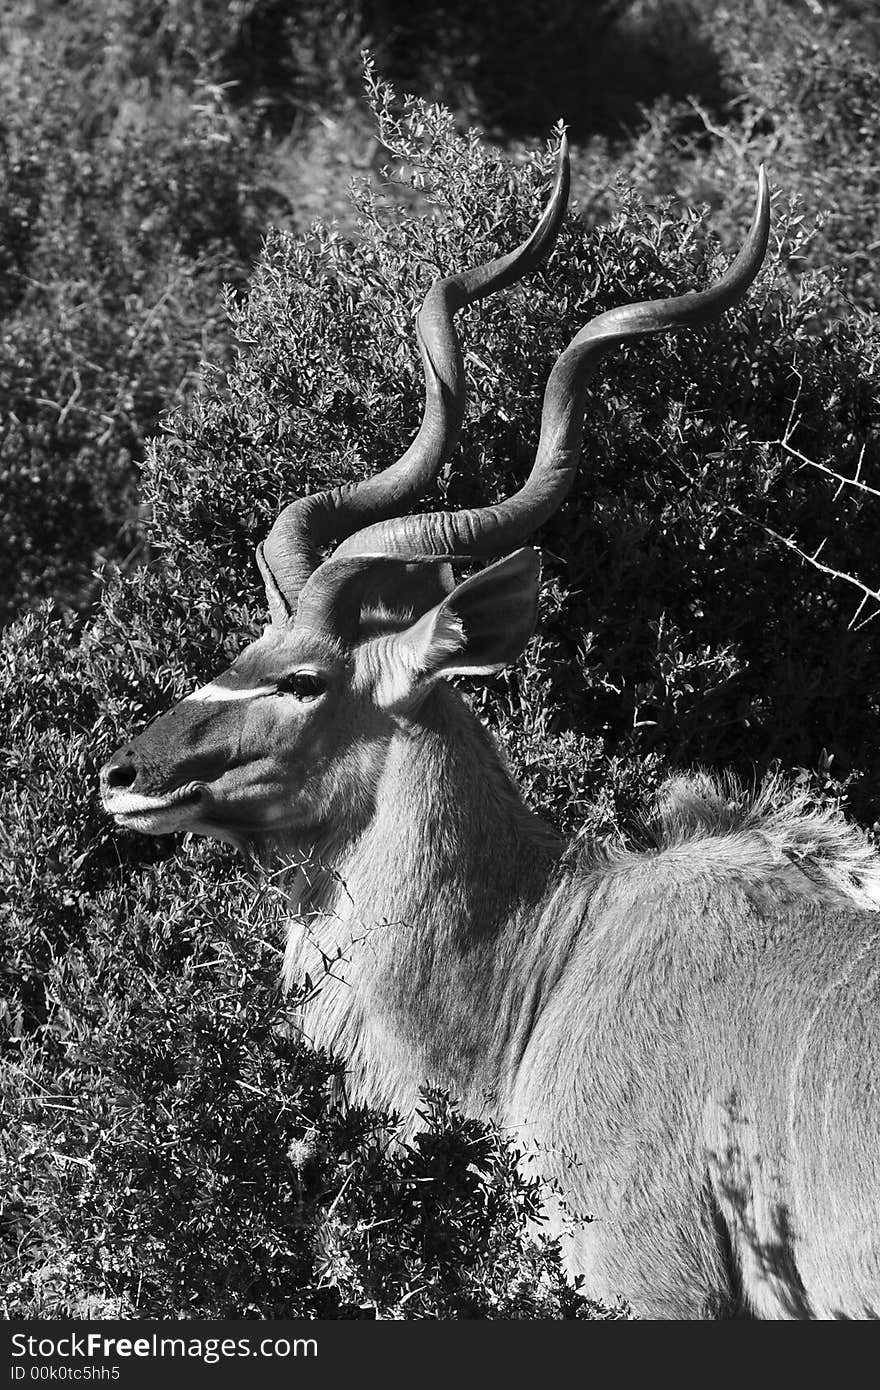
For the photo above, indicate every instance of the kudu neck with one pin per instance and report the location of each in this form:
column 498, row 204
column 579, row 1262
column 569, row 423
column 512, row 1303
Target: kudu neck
column 423, row 910
column 448, row 812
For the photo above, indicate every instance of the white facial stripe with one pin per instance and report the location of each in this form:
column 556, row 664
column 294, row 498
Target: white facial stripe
column 223, row 694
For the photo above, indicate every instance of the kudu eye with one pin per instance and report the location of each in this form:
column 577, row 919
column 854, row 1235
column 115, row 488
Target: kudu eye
column 302, row 685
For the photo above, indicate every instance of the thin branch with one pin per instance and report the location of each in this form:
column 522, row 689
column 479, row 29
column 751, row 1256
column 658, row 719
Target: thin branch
column 791, row 427
column 864, row 589
column 823, row 468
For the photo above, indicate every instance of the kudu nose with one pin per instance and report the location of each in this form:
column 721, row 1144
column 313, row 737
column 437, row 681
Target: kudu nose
column 121, row 771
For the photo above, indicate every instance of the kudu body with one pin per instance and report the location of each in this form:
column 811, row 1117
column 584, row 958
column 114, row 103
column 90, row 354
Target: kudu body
column 687, row 1035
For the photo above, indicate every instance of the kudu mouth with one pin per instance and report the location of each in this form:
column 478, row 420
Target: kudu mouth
column 156, row 815
column 193, row 807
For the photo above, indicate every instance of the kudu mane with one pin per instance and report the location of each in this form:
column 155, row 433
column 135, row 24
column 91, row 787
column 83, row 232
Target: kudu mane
column 789, row 831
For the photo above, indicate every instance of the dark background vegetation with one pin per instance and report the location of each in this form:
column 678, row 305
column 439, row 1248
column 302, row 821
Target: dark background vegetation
column 168, row 1145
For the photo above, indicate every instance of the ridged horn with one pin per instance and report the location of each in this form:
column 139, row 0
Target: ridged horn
column 291, row 551
column 485, row 531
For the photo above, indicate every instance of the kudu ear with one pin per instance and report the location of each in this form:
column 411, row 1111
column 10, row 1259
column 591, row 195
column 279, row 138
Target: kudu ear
column 481, row 627
column 279, row 608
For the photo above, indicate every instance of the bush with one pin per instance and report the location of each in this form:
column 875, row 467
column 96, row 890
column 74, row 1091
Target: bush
column 509, row 66
column 799, row 87
column 121, row 222
column 174, row 1148
column 137, row 183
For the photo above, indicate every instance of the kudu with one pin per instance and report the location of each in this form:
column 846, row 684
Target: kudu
column 686, row 1035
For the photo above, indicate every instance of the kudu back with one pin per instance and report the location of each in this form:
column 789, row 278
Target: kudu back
column 686, row 1036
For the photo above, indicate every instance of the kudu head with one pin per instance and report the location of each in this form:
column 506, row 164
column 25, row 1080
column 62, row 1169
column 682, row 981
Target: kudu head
column 290, row 740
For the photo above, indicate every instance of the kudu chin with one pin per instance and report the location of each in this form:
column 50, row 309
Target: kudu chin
column 687, row 1036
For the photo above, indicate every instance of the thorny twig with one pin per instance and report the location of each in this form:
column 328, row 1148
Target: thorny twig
column 843, row 481
column 866, row 591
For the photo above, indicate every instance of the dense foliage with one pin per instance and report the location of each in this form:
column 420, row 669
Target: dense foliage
column 169, row 1145
column 116, row 236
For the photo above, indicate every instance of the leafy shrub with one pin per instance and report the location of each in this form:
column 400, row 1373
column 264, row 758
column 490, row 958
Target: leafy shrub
column 174, row 1149
column 799, row 87
column 508, row 65
column 117, row 232
column 134, row 190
